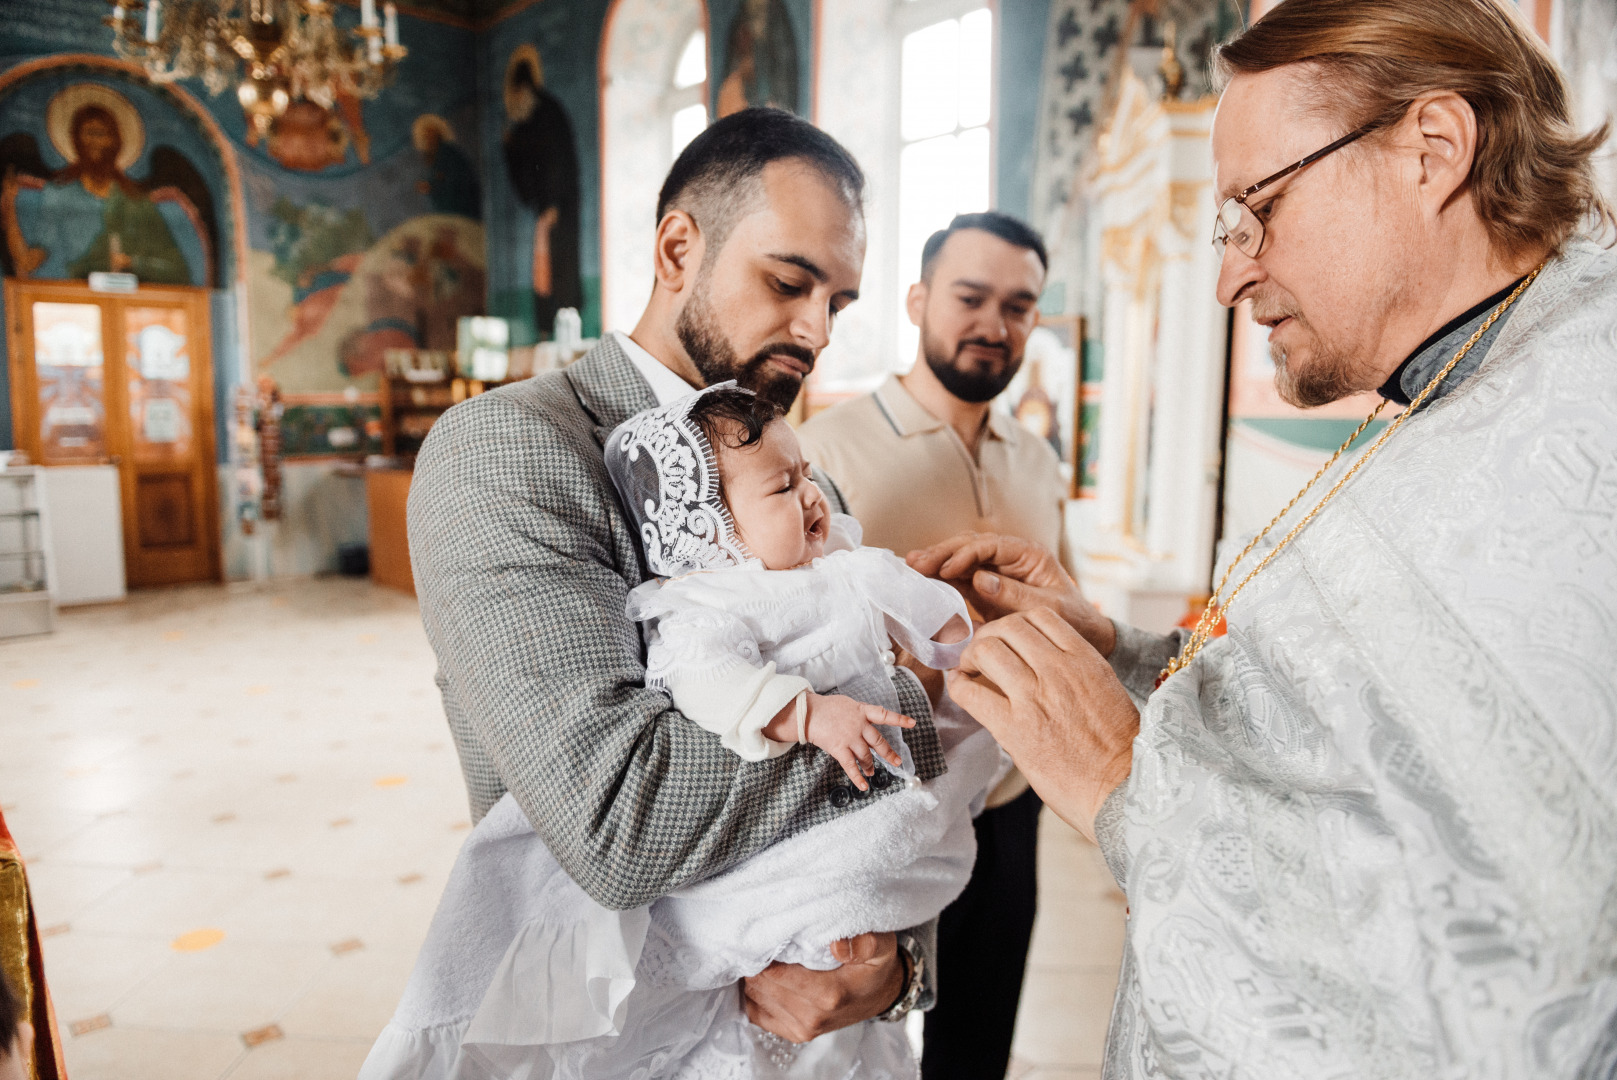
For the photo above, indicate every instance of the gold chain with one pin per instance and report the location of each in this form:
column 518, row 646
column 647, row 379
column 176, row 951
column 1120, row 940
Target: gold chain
column 1215, row 607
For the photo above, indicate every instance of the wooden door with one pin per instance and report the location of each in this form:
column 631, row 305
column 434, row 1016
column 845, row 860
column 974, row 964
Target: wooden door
column 125, row 380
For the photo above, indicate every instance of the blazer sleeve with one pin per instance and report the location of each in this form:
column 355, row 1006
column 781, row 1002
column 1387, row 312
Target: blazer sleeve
column 522, row 582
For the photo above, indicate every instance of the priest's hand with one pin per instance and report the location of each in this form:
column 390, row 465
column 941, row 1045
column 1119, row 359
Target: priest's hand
column 799, row 1004
column 1000, row 575
column 1056, row 707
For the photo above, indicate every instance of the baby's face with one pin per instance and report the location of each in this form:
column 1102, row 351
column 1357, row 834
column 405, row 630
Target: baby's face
column 779, row 512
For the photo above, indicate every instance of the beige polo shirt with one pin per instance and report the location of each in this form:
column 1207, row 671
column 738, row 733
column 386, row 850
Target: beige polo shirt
column 911, row 482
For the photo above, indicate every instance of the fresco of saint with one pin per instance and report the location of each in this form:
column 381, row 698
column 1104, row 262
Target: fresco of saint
column 451, row 185
column 541, row 159
column 91, row 215
column 760, row 59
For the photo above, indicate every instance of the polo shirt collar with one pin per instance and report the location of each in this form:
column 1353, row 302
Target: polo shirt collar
column 909, row 417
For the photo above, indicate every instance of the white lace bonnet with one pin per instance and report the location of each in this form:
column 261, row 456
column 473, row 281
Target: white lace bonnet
column 667, row 475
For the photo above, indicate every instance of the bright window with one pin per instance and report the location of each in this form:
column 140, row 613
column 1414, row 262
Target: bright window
column 692, row 66
column 945, row 105
column 690, row 74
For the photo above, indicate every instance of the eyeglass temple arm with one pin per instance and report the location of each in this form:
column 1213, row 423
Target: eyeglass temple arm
column 1309, row 160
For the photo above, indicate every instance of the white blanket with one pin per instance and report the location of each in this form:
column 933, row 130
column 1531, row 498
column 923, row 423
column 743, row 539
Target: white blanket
column 524, row 977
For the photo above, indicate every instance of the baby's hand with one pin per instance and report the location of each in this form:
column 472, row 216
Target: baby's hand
column 846, row 729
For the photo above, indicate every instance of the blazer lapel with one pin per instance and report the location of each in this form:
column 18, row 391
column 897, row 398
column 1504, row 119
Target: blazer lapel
column 608, row 387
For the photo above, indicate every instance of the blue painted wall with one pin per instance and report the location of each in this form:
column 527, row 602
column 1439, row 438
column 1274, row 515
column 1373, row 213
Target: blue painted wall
column 1022, row 26
column 567, row 36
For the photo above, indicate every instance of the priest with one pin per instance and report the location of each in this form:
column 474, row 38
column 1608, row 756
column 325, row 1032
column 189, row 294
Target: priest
column 1372, row 831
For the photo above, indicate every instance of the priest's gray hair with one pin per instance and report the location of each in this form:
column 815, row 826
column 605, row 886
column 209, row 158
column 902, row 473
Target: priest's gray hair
column 1531, row 176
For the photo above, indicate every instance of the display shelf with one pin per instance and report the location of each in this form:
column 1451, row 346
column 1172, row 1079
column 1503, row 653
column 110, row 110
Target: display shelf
column 26, row 604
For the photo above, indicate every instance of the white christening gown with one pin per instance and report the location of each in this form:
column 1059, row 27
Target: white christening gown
column 523, row 976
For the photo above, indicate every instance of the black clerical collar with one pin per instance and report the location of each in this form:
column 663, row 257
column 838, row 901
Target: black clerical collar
column 1428, row 359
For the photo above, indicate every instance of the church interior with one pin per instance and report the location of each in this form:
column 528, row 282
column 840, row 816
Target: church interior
column 237, row 297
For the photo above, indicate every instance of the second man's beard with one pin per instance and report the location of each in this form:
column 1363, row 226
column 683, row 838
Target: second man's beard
column 715, row 358
column 967, row 385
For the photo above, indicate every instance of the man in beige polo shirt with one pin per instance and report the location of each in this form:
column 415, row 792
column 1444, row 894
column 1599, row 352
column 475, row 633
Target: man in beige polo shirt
column 922, row 459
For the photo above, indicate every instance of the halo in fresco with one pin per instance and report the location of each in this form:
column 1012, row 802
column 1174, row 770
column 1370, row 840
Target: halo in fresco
column 522, row 56
column 68, row 101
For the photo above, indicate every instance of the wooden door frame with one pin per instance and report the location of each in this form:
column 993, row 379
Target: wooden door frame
column 20, row 295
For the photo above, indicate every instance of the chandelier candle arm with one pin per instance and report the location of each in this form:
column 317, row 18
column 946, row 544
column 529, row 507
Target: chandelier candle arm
column 273, row 52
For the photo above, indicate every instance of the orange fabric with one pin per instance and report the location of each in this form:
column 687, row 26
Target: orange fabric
column 23, row 963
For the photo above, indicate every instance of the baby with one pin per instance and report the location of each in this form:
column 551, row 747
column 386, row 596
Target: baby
column 762, row 605
column 825, row 619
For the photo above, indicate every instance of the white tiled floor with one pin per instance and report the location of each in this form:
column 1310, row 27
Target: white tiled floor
column 263, row 774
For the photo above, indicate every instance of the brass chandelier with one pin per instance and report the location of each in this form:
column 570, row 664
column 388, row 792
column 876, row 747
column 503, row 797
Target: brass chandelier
column 274, row 52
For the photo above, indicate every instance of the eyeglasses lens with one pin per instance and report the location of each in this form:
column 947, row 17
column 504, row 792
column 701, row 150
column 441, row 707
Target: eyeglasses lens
column 1237, row 225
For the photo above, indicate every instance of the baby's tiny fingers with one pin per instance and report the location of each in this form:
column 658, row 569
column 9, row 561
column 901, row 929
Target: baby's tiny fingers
column 881, row 746
column 850, row 766
column 875, row 714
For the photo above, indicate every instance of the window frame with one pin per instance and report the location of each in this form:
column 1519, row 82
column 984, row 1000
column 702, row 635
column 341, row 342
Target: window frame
column 908, row 16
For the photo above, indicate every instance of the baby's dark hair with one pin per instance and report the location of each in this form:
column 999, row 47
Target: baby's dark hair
column 734, row 418
column 10, row 1016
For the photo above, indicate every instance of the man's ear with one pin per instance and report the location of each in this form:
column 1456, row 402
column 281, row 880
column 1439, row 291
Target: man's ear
column 678, row 251
column 1447, row 129
column 915, row 302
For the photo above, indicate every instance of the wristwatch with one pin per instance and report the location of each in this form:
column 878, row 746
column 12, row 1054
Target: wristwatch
column 914, row 980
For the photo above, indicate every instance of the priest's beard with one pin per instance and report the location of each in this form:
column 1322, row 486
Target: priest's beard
column 1330, row 373
column 715, row 358
column 969, row 382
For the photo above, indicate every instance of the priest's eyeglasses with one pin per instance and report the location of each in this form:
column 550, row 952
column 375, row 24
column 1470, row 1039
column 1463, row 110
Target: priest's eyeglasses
column 1237, row 223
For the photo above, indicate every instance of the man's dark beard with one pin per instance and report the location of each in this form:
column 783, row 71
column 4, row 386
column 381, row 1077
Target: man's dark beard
column 973, row 386
column 715, row 358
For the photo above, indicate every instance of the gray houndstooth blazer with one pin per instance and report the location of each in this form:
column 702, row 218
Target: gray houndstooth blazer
column 523, row 559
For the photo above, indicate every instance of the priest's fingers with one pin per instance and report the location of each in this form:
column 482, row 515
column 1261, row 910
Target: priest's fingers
column 965, row 549
column 992, row 657
column 1042, row 640
column 982, row 699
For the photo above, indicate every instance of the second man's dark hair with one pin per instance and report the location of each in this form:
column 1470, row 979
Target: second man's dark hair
column 718, row 177
column 1007, row 228
column 733, row 418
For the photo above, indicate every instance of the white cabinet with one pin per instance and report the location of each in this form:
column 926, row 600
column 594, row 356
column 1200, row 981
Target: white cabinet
column 86, row 533
column 26, row 606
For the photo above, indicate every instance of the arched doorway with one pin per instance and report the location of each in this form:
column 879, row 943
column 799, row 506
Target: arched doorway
column 122, row 380
column 653, row 70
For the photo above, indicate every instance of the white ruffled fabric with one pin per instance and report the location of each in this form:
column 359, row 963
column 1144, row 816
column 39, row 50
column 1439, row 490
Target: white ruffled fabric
column 523, row 977
column 734, row 645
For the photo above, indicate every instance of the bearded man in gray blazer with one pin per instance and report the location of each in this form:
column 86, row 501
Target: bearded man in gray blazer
column 523, row 559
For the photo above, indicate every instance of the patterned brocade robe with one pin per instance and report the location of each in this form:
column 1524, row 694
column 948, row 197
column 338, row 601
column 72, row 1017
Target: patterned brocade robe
column 1373, row 831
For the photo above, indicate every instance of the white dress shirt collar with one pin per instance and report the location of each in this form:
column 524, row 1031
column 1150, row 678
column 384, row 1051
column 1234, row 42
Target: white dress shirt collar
column 664, row 383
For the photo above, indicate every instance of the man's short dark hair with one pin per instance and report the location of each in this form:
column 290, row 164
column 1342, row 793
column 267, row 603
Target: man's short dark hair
column 717, row 178
column 1007, row 228
column 733, row 418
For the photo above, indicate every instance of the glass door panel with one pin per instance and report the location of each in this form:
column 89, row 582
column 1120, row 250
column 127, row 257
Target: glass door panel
column 157, row 364
column 70, row 369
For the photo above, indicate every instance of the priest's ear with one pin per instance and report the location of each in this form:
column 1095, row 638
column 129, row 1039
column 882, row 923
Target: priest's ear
column 677, row 256
column 1445, row 129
